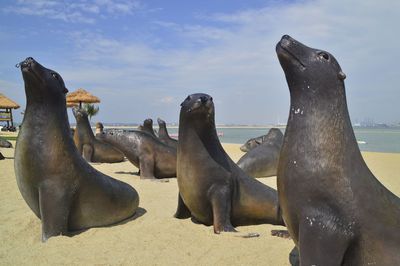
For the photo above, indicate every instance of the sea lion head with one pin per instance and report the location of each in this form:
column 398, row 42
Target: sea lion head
column 250, row 144
column 198, row 105
column 99, row 125
column 308, row 69
column 112, row 132
column 274, row 134
column 42, row 84
column 148, row 122
column 79, row 113
column 161, row 122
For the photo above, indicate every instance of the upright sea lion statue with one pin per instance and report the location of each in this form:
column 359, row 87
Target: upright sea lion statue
column 163, row 135
column 263, row 159
column 212, row 188
column 148, row 127
column 92, row 149
column 60, row 187
column 335, row 209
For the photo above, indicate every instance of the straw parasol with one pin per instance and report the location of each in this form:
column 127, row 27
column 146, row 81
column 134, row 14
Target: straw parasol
column 7, row 104
column 81, row 96
column 71, row 104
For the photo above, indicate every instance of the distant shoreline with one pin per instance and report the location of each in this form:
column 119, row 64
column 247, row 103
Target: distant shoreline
column 238, row 126
column 217, row 126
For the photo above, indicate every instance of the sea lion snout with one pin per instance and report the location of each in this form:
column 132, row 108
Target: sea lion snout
column 26, row 63
column 160, row 121
column 203, row 99
column 291, row 51
column 196, row 101
column 285, row 41
column 78, row 112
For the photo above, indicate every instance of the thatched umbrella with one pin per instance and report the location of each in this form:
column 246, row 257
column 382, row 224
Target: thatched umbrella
column 81, row 96
column 71, row 104
column 8, row 105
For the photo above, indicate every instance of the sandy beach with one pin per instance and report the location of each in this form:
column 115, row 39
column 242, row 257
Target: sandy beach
column 153, row 237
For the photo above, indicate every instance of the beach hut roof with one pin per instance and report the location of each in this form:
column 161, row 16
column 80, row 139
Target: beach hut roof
column 6, row 103
column 81, row 95
column 72, row 104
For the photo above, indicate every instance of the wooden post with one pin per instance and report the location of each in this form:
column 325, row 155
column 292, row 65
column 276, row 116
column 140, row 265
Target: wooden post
column 8, row 122
column 11, row 117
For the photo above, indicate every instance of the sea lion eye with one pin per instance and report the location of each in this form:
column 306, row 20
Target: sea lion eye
column 54, row 75
column 323, row 55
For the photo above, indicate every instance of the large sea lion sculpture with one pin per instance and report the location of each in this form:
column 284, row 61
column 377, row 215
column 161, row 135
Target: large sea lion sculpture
column 163, row 135
column 212, row 188
column 60, row 187
column 263, row 159
column 5, row 143
column 336, row 211
column 92, row 149
column 153, row 158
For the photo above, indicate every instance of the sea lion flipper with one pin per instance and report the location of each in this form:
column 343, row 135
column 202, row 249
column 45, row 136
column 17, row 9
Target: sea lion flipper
column 182, row 212
column 88, row 152
column 146, row 166
column 221, row 207
column 54, row 210
column 326, row 237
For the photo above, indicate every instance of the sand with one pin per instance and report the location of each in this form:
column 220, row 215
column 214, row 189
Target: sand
column 154, row 237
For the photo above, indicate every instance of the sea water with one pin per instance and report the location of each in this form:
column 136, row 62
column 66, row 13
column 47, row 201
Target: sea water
column 369, row 139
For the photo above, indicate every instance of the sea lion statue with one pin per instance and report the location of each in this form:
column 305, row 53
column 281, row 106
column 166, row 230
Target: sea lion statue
column 163, row 135
column 92, row 149
column 60, row 187
column 212, row 188
column 153, row 158
column 263, row 160
column 335, row 209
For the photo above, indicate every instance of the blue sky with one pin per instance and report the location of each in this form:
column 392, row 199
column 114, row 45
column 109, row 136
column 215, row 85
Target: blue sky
column 142, row 58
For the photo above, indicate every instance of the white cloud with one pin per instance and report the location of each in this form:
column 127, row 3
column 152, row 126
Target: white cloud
column 167, row 100
column 76, row 12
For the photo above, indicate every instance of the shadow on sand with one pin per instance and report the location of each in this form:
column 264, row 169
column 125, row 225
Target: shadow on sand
column 294, row 258
column 127, row 173
column 139, row 212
